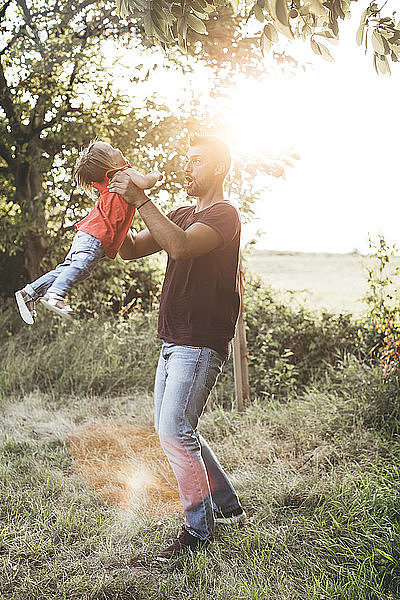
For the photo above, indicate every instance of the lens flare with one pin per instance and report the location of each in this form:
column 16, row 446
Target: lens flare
column 126, row 467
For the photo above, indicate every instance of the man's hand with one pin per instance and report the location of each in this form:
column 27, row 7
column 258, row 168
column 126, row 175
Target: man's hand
column 122, row 184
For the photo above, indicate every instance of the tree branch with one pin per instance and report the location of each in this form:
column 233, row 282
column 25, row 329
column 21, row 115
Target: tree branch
column 79, row 9
column 29, row 20
column 6, row 101
column 62, row 229
column 13, row 40
column 4, row 8
column 63, row 112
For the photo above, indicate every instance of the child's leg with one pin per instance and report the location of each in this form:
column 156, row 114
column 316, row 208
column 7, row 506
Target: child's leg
column 144, row 182
column 38, row 288
column 27, row 297
column 80, row 261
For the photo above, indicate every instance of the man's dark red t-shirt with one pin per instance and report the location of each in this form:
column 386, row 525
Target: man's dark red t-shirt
column 200, row 298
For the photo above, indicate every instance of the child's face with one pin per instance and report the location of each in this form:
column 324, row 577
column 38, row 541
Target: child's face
column 116, row 156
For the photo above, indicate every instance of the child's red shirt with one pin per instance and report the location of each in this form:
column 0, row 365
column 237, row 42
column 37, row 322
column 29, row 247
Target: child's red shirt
column 110, row 219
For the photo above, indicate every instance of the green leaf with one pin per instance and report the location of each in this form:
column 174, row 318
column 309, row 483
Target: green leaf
column 148, row 24
column 209, row 8
column 271, row 33
column 176, row 10
column 196, row 24
column 327, row 34
column 259, row 13
column 281, row 12
column 123, row 8
column 281, row 27
column 385, row 555
column 197, row 5
column 360, row 34
column 181, row 26
column 315, row 47
column 160, row 35
column 364, row 15
column 377, row 43
column 159, row 18
column 325, row 53
column 383, row 65
column 265, row 44
column 201, row 15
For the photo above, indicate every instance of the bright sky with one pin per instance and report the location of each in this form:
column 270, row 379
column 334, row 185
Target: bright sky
column 345, row 123
column 343, row 120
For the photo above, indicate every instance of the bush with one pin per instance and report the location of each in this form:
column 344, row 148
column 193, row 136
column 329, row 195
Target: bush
column 113, row 354
column 289, row 347
column 383, row 305
column 89, row 356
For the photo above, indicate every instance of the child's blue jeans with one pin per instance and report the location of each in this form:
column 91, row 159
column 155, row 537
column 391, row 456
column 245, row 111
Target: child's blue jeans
column 185, row 376
column 84, row 254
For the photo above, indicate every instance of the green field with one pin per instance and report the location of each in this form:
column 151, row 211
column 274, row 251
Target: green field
column 85, row 502
column 318, row 478
column 334, row 282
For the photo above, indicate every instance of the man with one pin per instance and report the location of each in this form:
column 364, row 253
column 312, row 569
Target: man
column 198, row 312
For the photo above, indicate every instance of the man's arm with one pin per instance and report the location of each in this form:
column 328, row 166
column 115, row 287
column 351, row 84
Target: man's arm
column 198, row 239
column 136, row 246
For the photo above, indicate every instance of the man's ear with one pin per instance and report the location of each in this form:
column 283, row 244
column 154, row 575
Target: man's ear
column 219, row 169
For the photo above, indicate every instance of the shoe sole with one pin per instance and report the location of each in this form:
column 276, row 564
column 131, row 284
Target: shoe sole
column 58, row 311
column 24, row 311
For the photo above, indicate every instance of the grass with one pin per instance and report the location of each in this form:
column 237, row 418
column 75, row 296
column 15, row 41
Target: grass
column 319, row 474
column 100, row 356
column 80, row 518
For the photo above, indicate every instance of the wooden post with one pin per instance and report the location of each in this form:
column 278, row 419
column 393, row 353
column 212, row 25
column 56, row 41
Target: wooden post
column 240, row 358
column 237, row 372
column 239, row 344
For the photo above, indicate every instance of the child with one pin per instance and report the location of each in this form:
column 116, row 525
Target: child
column 100, row 233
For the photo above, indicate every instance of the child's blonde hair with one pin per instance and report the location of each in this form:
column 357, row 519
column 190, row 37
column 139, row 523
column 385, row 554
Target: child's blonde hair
column 92, row 165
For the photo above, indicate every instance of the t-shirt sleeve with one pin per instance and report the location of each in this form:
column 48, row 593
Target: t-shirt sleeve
column 224, row 219
column 171, row 215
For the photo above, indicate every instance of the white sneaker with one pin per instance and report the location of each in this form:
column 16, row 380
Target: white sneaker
column 26, row 313
column 57, row 305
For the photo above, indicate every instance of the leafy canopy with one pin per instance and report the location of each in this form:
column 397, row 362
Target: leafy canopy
column 225, row 25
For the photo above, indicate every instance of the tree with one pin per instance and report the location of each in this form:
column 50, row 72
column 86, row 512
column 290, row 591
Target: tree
column 226, row 28
column 49, row 62
column 56, row 95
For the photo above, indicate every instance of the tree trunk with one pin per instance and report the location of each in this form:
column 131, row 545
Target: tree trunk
column 29, row 195
column 35, row 249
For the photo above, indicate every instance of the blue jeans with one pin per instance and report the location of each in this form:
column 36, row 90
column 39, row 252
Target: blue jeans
column 84, row 254
column 185, row 376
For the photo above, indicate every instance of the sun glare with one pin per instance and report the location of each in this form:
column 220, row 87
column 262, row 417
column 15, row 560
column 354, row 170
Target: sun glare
column 258, row 116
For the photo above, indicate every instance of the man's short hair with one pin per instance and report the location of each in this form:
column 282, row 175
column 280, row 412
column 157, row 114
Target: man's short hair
column 218, row 147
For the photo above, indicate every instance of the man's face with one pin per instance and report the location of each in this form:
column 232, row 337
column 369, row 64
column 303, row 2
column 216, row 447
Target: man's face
column 115, row 154
column 200, row 170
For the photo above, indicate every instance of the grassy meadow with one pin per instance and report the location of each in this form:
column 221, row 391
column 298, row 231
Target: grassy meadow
column 319, row 480
column 87, row 500
column 333, row 282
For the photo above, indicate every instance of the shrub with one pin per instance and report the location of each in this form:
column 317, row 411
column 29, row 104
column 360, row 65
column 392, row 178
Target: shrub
column 383, row 305
column 88, row 356
column 289, row 347
column 113, row 354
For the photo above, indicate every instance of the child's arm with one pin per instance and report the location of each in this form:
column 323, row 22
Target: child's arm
column 144, row 182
